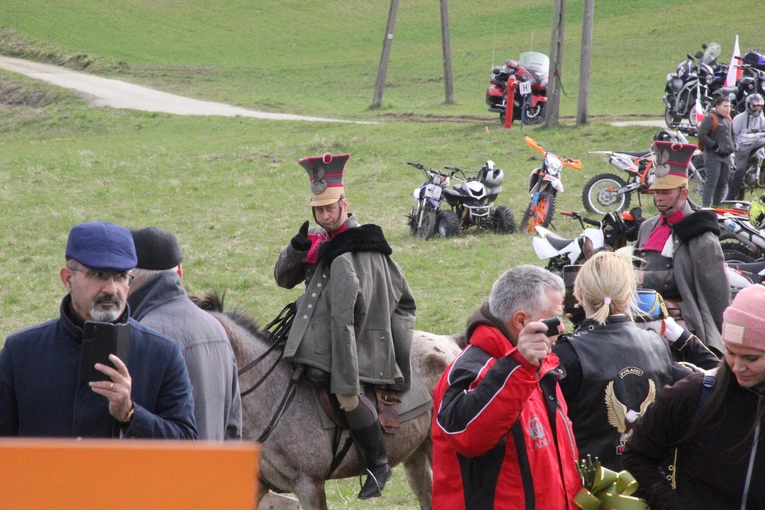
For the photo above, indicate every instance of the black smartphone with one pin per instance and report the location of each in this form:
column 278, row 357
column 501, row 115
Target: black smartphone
column 99, row 340
column 552, row 326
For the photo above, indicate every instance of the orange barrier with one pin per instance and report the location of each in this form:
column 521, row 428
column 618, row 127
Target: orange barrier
column 74, row 474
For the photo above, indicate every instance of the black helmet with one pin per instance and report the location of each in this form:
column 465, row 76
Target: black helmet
column 663, row 136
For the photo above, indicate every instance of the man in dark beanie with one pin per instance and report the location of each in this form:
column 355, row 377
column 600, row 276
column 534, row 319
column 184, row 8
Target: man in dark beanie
column 158, row 300
column 48, row 387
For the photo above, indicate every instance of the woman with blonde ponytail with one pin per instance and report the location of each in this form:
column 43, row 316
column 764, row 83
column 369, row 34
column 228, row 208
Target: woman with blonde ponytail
column 611, row 369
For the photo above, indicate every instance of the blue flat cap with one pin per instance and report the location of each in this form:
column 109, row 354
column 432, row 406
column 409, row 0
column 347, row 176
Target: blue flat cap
column 102, row 246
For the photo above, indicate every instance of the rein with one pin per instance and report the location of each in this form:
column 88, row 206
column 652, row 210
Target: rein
column 278, row 330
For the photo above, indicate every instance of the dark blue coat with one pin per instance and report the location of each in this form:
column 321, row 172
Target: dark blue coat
column 41, row 395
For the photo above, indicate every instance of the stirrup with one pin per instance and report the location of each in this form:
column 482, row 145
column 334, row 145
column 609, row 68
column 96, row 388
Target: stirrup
column 373, row 486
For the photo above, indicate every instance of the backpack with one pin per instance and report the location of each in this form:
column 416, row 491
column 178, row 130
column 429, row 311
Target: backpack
column 715, row 122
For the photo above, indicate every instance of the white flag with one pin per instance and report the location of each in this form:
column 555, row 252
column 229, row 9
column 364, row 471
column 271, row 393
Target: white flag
column 734, row 69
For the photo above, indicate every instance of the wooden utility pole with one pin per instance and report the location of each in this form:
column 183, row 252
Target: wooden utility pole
column 448, row 82
column 584, row 62
column 556, row 63
column 383, row 69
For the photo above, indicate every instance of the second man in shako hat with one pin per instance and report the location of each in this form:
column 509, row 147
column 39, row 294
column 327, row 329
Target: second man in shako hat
column 679, row 249
column 356, row 296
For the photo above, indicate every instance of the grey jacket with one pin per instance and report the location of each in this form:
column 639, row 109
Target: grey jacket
column 717, row 144
column 356, row 318
column 162, row 304
column 698, row 268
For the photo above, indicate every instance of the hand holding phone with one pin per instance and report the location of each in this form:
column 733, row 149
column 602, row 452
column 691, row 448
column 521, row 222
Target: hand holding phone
column 552, row 326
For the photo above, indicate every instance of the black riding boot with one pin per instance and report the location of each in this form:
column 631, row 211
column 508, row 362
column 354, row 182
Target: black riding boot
column 371, row 442
column 367, row 432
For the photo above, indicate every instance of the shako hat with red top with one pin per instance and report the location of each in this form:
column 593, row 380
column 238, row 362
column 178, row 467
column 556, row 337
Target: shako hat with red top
column 326, row 176
column 671, row 164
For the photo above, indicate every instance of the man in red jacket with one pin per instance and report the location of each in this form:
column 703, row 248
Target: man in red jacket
column 501, row 437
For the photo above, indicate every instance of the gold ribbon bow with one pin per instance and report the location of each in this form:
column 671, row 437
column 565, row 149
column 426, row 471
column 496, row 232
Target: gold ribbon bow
column 605, row 489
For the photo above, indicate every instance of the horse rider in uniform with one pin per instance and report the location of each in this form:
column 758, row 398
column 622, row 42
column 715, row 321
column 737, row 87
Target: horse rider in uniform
column 680, row 252
column 355, row 321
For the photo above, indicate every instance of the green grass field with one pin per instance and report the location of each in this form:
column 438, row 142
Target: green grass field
column 231, row 189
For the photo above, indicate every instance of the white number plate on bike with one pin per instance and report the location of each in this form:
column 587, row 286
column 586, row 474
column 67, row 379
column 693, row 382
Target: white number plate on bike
column 433, row 191
column 524, row 87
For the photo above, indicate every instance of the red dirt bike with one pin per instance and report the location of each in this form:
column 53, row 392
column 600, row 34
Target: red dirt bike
column 544, row 185
column 525, row 81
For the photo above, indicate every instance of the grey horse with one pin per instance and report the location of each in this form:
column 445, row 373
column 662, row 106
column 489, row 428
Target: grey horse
column 296, row 457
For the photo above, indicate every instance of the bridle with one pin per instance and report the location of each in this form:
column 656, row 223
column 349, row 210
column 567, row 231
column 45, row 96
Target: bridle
column 278, row 331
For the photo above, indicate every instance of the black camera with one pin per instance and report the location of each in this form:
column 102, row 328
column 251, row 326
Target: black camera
column 552, row 326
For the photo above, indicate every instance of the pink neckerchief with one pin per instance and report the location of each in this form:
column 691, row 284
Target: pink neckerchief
column 658, row 238
column 317, row 239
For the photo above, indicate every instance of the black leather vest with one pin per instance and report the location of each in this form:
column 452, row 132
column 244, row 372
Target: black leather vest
column 623, row 370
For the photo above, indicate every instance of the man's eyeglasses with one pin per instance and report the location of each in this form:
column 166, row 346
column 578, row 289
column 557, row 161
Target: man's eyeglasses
column 104, row 276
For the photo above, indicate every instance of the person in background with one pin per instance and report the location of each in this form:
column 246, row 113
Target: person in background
column 679, row 250
column 158, row 300
column 716, row 135
column 501, row 438
column 749, row 121
column 40, row 392
column 355, row 321
column 612, row 370
column 713, row 423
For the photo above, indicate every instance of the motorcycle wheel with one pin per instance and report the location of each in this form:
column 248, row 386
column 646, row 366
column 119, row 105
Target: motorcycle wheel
column 504, row 221
column 413, row 223
column 427, row 225
column 447, row 224
column 541, row 215
column 597, row 195
column 669, row 118
column 737, row 256
column 696, row 187
column 536, row 114
column 732, row 244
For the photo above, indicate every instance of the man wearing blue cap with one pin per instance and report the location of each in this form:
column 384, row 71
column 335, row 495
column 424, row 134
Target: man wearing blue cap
column 42, row 392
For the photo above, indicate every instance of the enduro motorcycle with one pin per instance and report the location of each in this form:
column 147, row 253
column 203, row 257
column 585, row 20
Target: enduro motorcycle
column 525, row 82
column 565, row 256
column 472, row 202
column 428, row 197
column 694, row 80
column 544, row 185
column 608, row 192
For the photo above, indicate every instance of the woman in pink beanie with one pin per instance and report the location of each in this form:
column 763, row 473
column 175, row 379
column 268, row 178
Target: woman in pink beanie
column 714, row 423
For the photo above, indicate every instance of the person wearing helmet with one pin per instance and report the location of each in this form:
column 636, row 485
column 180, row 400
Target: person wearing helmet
column 744, row 124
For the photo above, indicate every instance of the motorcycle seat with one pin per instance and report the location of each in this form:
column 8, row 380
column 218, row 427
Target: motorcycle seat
column 638, row 154
column 558, row 242
column 753, row 268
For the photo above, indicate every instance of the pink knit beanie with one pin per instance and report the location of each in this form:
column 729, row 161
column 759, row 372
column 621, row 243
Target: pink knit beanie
column 744, row 319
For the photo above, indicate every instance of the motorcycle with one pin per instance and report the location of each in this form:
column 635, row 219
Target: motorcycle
column 472, row 202
column 755, row 168
column 614, row 231
column 544, row 185
column 525, row 82
column 427, row 210
column 608, row 192
column 752, row 80
column 694, row 81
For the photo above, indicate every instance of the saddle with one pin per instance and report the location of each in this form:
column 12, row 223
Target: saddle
column 386, row 401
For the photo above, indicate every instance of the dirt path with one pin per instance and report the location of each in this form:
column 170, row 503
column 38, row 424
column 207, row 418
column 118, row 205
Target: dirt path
column 119, row 94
